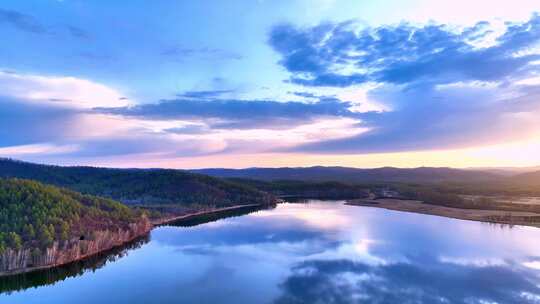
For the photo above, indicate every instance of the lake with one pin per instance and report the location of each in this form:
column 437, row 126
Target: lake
column 314, row 252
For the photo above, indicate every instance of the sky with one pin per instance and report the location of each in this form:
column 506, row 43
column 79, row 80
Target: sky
column 196, row 84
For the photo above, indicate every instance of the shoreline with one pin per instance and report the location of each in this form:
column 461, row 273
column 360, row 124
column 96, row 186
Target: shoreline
column 115, row 240
column 30, row 270
column 512, row 218
column 154, row 224
column 169, row 220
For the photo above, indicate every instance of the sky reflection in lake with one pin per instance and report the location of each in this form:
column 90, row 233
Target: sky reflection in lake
column 320, row 252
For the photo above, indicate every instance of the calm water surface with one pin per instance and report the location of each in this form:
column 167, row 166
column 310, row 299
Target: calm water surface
column 319, row 252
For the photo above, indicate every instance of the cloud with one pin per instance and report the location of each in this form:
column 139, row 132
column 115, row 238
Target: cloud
column 344, row 54
column 92, row 56
column 439, row 86
column 181, row 53
column 21, row 21
column 190, row 129
column 204, row 94
column 38, row 119
column 52, row 115
column 62, row 91
column 28, row 23
column 309, row 95
column 451, row 117
column 78, row 32
column 34, row 131
column 24, row 123
column 345, row 281
column 143, row 142
column 37, row 149
column 238, row 114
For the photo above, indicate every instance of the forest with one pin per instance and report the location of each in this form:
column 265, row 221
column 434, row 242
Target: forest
column 309, row 189
column 40, row 204
column 140, row 186
column 35, row 215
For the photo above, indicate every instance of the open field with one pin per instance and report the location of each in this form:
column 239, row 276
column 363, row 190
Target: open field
column 481, row 215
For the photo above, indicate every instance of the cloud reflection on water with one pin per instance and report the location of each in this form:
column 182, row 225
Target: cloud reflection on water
column 330, row 253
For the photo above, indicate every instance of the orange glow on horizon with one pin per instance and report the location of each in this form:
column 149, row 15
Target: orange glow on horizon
column 519, row 154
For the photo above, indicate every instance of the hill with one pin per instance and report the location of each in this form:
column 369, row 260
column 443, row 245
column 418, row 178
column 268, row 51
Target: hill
column 138, row 186
column 35, row 215
column 303, row 189
column 43, row 226
column 530, row 179
column 355, row 175
column 506, row 171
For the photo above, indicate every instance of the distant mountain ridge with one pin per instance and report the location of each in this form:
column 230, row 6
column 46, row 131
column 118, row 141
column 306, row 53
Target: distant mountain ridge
column 139, row 186
column 356, row 175
column 506, row 171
